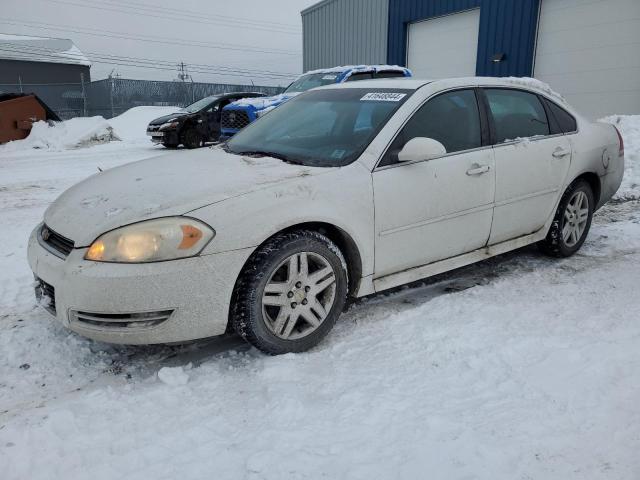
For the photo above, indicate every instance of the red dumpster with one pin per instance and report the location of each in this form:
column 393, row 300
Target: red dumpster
column 18, row 111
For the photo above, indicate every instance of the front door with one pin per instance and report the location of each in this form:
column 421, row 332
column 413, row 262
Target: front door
column 531, row 164
column 431, row 210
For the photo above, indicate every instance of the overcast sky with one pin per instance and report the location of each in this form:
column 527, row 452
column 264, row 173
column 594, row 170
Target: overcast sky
column 236, row 41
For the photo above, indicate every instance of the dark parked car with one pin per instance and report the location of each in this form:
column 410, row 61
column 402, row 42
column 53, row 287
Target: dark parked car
column 195, row 124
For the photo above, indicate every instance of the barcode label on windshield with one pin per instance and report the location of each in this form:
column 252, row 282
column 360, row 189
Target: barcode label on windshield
column 383, row 97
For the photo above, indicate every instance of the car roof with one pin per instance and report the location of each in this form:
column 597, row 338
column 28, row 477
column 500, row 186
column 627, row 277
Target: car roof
column 445, row 83
column 358, row 68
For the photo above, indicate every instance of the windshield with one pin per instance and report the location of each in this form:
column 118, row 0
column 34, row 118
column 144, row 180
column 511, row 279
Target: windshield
column 200, row 104
column 313, row 80
column 324, row 128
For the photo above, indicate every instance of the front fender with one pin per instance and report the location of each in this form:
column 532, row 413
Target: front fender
column 343, row 198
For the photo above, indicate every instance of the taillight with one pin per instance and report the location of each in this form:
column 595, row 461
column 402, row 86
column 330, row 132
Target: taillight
column 620, row 142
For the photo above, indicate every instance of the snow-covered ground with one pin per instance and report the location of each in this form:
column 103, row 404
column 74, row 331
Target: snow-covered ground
column 521, row 367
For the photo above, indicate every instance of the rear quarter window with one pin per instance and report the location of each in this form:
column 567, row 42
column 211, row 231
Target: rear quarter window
column 566, row 121
column 360, row 76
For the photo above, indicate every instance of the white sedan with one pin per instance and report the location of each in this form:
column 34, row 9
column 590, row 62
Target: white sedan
column 343, row 191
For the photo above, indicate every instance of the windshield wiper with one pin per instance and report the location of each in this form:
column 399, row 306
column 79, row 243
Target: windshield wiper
column 262, row 153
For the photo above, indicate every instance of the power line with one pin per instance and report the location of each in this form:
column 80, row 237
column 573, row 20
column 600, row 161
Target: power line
column 145, row 38
column 38, row 51
column 158, row 14
column 156, row 8
column 162, row 67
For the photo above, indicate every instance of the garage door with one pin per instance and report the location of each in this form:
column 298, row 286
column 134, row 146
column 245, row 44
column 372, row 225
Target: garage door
column 589, row 51
column 444, row 46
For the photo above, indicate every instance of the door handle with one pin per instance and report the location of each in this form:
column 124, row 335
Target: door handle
column 478, row 169
column 561, row 152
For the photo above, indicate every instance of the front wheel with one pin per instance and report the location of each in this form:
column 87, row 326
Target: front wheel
column 572, row 221
column 192, row 139
column 290, row 293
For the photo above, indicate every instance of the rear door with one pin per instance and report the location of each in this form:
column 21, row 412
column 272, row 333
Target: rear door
column 531, row 162
column 430, row 210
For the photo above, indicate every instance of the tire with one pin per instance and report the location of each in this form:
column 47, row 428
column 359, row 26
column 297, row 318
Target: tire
column 192, row 139
column 278, row 309
column 170, row 146
column 577, row 198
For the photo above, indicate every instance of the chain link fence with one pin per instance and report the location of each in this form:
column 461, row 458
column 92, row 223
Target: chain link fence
column 112, row 96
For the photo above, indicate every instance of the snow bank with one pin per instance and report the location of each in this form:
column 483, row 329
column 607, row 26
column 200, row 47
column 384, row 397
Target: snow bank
column 132, row 124
column 70, row 134
column 629, row 127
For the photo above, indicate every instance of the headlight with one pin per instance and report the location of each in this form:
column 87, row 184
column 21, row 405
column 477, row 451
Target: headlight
column 168, row 125
column 151, row 241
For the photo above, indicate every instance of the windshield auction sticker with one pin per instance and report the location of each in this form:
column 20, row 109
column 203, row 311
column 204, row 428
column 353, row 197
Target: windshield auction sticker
column 383, row 97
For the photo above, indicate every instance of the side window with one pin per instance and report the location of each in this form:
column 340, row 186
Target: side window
column 565, row 120
column 516, row 114
column 360, row 76
column 451, row 118
column 388, row 74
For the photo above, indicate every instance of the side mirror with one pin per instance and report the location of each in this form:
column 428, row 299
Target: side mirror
column 421, row 148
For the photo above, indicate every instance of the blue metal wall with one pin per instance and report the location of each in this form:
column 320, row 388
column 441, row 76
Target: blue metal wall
column 506, row 26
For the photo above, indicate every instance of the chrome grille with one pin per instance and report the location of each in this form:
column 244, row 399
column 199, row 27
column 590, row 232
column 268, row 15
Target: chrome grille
column 234, row 119
column 123, row 321
column 55, row 243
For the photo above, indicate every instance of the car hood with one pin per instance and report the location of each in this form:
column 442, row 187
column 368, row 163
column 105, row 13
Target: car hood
column 172, row 184
column 166, row 118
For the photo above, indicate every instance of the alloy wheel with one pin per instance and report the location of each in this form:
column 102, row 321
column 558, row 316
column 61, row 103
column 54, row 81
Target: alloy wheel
column 576, row 216
column 299, row 295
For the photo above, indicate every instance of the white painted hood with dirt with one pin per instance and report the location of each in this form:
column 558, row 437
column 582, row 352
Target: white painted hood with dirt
column 167, row 185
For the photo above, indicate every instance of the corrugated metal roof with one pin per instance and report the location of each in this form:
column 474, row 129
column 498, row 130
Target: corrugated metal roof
column 41, row 49
column 343, row 32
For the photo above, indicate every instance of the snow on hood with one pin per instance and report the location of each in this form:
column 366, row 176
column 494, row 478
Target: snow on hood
column 172, row 184
column 262, row 103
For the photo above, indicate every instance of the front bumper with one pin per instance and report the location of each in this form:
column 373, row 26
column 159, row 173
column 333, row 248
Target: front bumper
column 167, row 136
column 196, row 291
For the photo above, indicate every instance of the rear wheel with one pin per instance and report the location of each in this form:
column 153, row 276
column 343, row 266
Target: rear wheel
column 191, row 138
column 572, row 221
column 290, row 293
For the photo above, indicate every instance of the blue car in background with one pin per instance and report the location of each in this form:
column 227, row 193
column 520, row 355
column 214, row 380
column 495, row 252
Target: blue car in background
column 241, row 113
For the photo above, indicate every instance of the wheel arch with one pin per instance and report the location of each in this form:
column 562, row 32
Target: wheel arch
column 337, row 235
column 594, row 182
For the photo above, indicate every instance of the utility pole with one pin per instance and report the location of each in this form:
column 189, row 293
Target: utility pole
column 183, row 76
column 113, row 114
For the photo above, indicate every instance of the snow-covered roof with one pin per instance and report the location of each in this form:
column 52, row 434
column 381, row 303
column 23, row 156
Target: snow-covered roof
column 260, row 103
column 359, row 68
column 41, row 49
